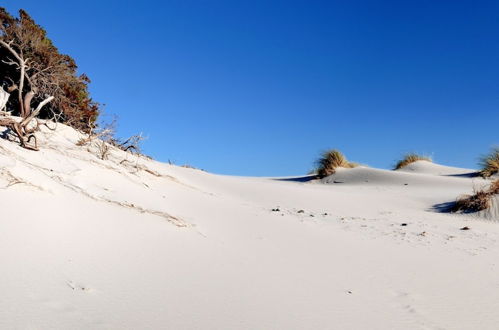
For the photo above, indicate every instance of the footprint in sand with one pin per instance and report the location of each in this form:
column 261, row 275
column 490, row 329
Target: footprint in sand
column 78, row 287
column 407, row 302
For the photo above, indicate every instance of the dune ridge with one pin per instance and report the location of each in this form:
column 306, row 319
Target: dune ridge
column 130, row 242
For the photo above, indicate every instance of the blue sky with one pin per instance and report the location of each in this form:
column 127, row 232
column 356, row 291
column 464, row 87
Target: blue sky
column 262, row 87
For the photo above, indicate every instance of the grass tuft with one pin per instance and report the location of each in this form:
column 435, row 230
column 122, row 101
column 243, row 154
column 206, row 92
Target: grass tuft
column 480, row 200
column 490, row 163
column 330, row 161
column 411, row 158
column 494, row 187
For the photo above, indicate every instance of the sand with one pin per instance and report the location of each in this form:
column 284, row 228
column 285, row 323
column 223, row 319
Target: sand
column 131, row 243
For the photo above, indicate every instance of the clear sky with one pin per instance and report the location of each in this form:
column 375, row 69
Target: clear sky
column 262, row 87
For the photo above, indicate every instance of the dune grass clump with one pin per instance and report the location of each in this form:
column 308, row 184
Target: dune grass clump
column 490, row 163
column 330, row 161
column 479, row 201
column 411, row 158
column 494, row 187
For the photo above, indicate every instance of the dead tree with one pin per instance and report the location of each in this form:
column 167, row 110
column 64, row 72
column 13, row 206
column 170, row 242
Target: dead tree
column 20, row 128
column 21, row 63
column 22, row 66
column 4, row 98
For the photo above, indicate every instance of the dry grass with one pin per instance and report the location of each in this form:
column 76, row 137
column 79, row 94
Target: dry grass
column 411, row 158
column 494, row 187
column 105, row 139
column 330, row 161
column 132, row 144
column 103, row 150
column 490, row 163
column 82, row 141
column 480, row 200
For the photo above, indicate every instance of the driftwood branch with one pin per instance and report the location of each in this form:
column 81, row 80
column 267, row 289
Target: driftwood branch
column 25, row 134
column 27, row 102
column 37, row 111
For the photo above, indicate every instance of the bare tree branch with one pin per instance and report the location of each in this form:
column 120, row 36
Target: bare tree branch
column 37, row 110
column 4, row 97
column 22, row 66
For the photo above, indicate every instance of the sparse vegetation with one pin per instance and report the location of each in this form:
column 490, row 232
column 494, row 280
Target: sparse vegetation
column 480, row 200
column 104, row 138
column 490, row 163
column 330, row 161
column 103, row 149
column 411, row 158
column 132, row 144
column 494, row 187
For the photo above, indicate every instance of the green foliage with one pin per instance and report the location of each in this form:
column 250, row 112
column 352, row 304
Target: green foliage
column 49, row 73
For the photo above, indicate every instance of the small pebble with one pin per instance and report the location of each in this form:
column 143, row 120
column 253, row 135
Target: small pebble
column 403, row 224
column 465, row 228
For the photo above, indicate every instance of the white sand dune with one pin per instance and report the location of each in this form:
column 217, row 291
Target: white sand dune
column 131, row 243
column 425, row 167
column 491, row 213
column 371, row 176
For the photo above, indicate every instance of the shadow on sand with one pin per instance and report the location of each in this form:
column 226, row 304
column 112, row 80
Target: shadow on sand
column 306, row 178
column 443, row 207
column 465, row 175
column 448, row 207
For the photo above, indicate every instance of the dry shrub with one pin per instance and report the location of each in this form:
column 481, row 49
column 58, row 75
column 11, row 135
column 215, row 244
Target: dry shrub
column 494, row 187
column 82, row 141
column 410, row 158
column 103, row 149
column 106, row 138
column 105, row 133
column 132, row 144
column 480, row 200
column 330, row 161
column 490, row 163
column 192, row 167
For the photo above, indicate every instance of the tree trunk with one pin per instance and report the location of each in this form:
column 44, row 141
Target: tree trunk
column 27, row 103
column 22, row 67
column 4, row 97
column 21, row 87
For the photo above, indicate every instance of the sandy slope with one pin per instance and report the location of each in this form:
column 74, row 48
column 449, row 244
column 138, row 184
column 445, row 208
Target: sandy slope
column 136, row 244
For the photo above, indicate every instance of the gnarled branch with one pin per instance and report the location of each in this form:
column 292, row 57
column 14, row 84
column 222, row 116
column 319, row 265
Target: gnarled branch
column 20, row 128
